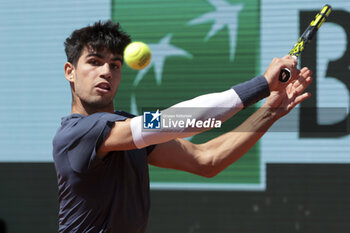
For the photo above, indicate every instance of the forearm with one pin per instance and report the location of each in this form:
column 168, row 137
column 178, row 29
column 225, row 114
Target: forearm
column 219, row 106
column 229, row 147
column 226, row 149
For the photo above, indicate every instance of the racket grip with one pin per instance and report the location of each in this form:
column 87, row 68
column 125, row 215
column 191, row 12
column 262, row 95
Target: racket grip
column 285, row 75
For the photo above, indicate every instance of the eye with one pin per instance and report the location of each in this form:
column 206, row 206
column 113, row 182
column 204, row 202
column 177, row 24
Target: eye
column 115, row 66
column 94, row 62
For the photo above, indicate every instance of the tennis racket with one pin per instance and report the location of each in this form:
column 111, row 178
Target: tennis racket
column 305, row 38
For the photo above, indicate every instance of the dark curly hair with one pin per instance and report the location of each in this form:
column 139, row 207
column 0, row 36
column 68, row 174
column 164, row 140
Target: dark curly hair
column 99, row 36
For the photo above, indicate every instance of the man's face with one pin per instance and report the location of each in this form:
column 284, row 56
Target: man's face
column 96, row 78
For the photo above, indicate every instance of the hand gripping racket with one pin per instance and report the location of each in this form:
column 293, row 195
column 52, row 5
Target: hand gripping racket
column 305, row 38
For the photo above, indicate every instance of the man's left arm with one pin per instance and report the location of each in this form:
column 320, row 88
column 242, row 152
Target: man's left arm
column 210, row 158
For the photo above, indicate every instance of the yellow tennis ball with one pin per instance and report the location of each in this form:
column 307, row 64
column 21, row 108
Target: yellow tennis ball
column 137, row 55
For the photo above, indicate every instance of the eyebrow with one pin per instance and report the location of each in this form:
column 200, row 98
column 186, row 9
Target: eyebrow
column 102, row 57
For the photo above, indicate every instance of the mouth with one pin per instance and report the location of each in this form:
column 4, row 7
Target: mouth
column 103, row 87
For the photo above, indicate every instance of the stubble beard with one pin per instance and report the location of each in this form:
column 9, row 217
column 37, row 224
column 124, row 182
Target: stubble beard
column 99, row 104
column 93, row 104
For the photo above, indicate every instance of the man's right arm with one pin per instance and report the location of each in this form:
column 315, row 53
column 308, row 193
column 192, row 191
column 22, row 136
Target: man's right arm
column 128, row 134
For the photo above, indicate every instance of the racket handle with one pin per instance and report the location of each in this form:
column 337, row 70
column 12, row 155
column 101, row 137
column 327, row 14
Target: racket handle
column 285, row 75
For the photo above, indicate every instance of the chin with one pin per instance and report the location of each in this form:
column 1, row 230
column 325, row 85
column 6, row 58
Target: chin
column 101, row 104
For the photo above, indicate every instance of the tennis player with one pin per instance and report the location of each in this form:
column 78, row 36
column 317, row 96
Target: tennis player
column 102, row 155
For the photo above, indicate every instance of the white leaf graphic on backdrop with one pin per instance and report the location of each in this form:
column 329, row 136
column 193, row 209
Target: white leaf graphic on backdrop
column 225, row 15
column 160, row 52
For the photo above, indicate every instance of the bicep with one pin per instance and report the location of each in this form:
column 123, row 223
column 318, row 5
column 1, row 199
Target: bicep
column 179, row 154
column 119, row 138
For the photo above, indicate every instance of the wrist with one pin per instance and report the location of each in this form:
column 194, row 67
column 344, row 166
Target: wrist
column 271, row 112
column 270, row 82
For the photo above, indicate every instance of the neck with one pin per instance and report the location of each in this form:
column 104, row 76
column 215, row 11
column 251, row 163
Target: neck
column 86, row 109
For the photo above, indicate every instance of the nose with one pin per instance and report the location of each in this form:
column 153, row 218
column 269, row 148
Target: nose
column 105, row 71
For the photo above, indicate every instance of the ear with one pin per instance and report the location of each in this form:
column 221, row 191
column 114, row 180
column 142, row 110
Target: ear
column 69, row 71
